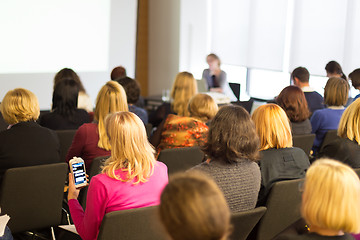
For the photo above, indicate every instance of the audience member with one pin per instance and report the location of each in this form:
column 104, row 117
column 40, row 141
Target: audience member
column 232, row 149
column 330, row 202
column 184, row 88
column 84, row 101
column 91, row 140
column 293, row 101
column 346, row 148
column 279, row 159
column 333, row 69
column 179, row 131
column 65, row 115
column 300, row 77
column 193, row 208
column 118, row 73
column 132, row 89
column 335, row 94
column 354, row 76
column 25, row 143
column 131, row 177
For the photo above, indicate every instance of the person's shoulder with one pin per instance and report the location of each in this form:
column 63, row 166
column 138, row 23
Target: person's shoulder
column 160, row 165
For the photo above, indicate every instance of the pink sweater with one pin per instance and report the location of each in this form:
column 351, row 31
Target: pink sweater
column 106, row 195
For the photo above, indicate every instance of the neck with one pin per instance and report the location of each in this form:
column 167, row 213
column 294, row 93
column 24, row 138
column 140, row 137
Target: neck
column 326, row 232
column 301, row 84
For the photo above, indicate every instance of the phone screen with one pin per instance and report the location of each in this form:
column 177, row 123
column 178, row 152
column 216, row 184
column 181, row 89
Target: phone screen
column 79, row 172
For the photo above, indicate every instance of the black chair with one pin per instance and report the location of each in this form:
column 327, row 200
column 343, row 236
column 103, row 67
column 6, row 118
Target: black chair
column 148, row 128
column 330, row 136
column 246, row 104
column 235, row 87
column 283, row 209
column 65, row 139
column 133, row 224
column 33, row 196
column 181, row 159
column 244, row 222
column 305, row 142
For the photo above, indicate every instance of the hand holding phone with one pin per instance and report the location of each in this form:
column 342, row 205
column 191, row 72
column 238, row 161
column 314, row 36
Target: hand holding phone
column 78, row 171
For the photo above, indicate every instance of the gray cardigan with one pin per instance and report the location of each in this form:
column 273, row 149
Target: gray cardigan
column 240, row 182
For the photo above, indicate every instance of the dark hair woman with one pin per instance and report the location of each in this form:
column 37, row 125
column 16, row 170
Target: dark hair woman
column 334, row 69
column 232, row 149
column 293, row 101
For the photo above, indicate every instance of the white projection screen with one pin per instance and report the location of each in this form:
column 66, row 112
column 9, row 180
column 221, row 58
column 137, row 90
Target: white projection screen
column 40, row 37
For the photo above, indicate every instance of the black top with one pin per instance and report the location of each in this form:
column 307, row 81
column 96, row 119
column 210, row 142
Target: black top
column 314, row 236
column 27, row 144
column 344, row 150
column 55, row 121
column 300, row 128
column 278, row 165
column 160, row 114
column 314, row 100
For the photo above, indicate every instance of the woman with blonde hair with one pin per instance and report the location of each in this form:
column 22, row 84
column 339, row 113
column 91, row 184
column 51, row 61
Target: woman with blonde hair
column 330, row 201
column 91, row 140
column 25, row 143
column 193, row 208
column 182, row 131
column 131, row 177
column 346, row 148
column 279, row 159
column 183, row 89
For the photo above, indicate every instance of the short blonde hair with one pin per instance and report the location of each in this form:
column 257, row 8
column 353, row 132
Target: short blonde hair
column 193, row 208
column 20, row 105
column 349, row 126
column 336, row 92
column 273, row 127
column 110, row 99
column 331, row 197
column 130, row 148
column 203, row 107
column 183, row 89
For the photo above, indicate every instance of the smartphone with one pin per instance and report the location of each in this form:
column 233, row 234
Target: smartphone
column 77, row 167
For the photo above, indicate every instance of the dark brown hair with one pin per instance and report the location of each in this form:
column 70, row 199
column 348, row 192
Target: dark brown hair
column 232, row 136
column 68, row 74
column 132, row 89
column 334, row 67
column 301, row 73
column 118, row 72
column 293, row 101
column 355, row 78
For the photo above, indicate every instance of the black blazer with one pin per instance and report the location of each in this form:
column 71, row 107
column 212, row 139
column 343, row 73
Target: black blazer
column 27, row 144
column 55, row 121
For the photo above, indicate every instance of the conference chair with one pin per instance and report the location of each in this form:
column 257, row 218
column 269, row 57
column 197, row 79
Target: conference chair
column 330, row 136
column 33, row 196
column 235, row 87
column 181, row 159
column 148, row 128
column 65, row 139
column 283, row 209
column 305, row 142
column 133, row 224
column 244, row 222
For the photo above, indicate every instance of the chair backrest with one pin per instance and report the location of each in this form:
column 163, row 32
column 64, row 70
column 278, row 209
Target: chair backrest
column 181, row 159
column 33, row 196
column 244, row 222
column 305, row 142
column 133, row 224
column 283, row 209
column 330, row 136
column 3, row 124
column 65, row 139
column 235, row 87
column 148, row 128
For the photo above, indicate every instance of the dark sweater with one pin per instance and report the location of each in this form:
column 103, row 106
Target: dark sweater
column 240, row 182
column 314, row 100
column 300, row 128
column 314, row 236
column 55, row 121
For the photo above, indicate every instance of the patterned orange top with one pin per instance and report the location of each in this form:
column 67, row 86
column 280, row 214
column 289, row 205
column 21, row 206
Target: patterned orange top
column 179, row 132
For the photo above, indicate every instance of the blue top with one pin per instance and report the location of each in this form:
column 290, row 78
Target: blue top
column 140, row 112
column 314, row 100
column 322, row 121
column 356, row 97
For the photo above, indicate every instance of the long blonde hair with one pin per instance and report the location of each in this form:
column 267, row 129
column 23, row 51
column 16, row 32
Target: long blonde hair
column 130, row 149
column 272, row 126
column 111, row 98
column 349, row 126
column 183, row 89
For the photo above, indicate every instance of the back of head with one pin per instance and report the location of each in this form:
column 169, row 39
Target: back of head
column 334, row 69
column 293, row 101
column 183, row 89
column 232, row 136
column 272, row 126
column 65, row 98
column 68, row 74
column 118, row 73
column 331, row 197
column 349, row 126
column 132, row 89
column 355, row 78
column 111, row 98
column 193, row 208
column 336, row 92
column 130, row 148
column 203, row 107
column 301, row 73
column 20, row 105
